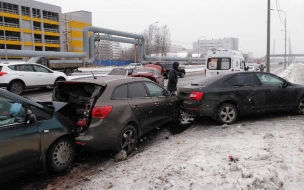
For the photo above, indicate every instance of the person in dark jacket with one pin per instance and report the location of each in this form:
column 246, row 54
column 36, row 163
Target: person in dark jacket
column 172, row 79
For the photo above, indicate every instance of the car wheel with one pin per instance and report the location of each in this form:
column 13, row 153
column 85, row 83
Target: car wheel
column 300, row 108
column 68, row 72
column 16, row 88
column 227, row 114
column 177, row 116
column 182, row 75
column 61, row 155
column 60, row 79
column 127, row 139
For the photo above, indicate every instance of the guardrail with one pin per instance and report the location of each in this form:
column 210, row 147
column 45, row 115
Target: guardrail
column 51, row 18
column 38, row 40
column 10, row 11
column 13, row 25
column 10, row 38
column 52, row 41
column 37, row 28
column 51, row 30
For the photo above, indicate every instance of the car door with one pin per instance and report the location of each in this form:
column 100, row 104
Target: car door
column 142, row 105
column 44, row 75
column 20, row 141
column 278, row 96
column 164, row 106
column 26, row 73
column 246, row 91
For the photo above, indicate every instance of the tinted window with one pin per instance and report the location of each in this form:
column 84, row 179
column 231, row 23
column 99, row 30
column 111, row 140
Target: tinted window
column 242, row 80
column 219, row 63
column 40, row 114
column 26, row 68
column 39, row 68
column 154, row 90
column 137, row 90
column 120, row 92
column 270, row 80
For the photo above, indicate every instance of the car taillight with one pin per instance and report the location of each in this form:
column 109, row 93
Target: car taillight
column 232, row 69
column 82, row 122
column 196, row 95
column 101, row 112
column 205, row 71
column 164, row 70
column 2, row 73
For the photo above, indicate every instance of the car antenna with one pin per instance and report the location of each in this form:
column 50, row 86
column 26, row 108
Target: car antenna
column 93, row 75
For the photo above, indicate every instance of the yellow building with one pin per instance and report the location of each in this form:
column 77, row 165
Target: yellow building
column 32, row 25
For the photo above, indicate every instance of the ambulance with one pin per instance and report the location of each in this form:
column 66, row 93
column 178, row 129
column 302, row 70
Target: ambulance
column 223, row 60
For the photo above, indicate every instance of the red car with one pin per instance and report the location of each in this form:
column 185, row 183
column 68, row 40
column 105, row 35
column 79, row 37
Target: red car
column 150, row 71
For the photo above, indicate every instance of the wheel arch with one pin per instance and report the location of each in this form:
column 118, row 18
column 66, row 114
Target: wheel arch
column 16, row 80
column 225, row 102
column 42, row 164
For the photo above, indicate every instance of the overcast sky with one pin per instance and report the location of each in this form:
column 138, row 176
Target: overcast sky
column 191, row 19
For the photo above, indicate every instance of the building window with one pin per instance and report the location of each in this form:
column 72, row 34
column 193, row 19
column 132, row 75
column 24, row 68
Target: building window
column 25, row 10
column 36, row 13
column 9, row 8
column 50, row 15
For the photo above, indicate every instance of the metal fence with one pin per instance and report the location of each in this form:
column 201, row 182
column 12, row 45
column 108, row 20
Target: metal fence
column 112, row 62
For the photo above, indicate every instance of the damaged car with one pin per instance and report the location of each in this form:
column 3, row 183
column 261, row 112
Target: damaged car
column 152, row 72
column 34, row 136
column 113, row 111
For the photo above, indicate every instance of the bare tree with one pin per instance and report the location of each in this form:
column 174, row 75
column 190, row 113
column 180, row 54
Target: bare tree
column 165, row 40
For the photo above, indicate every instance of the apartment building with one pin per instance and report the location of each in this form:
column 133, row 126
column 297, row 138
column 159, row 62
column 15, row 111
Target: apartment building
column 32, row 25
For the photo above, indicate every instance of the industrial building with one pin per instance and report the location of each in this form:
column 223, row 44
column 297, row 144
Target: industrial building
column 32, row 25
column 205, row 45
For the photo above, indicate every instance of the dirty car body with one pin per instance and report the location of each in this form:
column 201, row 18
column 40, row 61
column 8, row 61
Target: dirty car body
column 113, row 111
column 36, row 137
column 225, row 96
column 149, row 72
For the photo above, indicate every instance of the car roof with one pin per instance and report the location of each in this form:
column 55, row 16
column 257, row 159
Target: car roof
column 12, row 63
column 104, row 80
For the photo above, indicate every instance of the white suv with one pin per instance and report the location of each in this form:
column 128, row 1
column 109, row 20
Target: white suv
column 17, row 76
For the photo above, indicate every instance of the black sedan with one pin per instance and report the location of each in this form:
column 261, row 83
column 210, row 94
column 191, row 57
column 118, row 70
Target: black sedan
column 225, row 96
column 113, row 111
column 33, row 136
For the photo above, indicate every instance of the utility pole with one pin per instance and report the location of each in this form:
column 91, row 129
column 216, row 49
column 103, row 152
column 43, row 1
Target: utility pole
column 268, row 37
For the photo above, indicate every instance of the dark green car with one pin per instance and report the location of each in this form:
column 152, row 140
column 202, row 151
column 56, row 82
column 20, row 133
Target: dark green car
column 33, row 136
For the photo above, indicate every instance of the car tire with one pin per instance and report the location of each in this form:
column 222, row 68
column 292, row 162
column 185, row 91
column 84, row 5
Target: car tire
column 16, row 87
column 227, row 113
column 182, row 75
column 68, row 72
column 57, row 80
column 300, row 107
column 127, row 139
column 61, row 154
column 177, row 116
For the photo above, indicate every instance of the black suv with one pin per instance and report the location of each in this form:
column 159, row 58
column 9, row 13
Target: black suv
column 168, row 66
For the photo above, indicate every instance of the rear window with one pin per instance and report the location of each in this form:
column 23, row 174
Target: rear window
column 219, row 63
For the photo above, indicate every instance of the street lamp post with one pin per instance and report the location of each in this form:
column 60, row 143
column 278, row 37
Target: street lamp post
column 198, row 49
column 285, row 34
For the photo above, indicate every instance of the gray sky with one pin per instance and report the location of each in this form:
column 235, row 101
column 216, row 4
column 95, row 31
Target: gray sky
column 189, row 20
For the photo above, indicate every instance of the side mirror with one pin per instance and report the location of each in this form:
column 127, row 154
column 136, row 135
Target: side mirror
column 285, row 84
column 31, row 116
column 166, row 93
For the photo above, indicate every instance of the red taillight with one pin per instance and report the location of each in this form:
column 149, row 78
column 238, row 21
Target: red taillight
column 82, row 122
column 205, row 71
column 2, row 73
column 232, row 70
column 101, row 112
column 196, row 95
column 164, row 70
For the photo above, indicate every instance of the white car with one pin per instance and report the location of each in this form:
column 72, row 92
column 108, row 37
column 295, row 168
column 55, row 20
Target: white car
column 133, row 65
column 252, row 68
column 17, row 76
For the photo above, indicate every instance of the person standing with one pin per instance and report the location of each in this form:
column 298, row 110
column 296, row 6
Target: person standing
column 262, row 67
column 172, row 79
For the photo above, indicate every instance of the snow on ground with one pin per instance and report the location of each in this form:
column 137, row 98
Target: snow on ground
column 259, row 152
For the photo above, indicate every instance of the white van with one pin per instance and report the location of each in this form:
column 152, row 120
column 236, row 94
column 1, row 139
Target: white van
column 223, row 60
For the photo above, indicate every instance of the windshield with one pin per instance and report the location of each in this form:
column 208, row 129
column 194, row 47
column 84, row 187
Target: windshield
column 219, row 63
